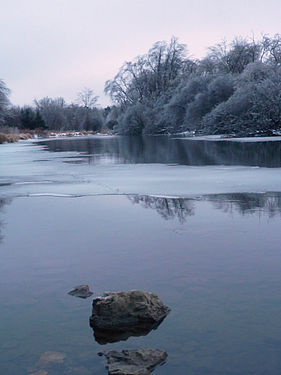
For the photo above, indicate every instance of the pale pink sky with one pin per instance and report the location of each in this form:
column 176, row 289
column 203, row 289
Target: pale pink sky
column 56, row 47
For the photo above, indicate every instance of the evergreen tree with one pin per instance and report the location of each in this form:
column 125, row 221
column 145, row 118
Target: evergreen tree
column 39, row 122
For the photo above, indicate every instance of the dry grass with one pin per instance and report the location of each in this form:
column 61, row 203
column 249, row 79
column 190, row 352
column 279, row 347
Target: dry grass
column 14, row 137
column 10, row 135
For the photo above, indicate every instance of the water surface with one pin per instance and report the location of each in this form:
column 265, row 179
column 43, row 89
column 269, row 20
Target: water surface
column 197, row 222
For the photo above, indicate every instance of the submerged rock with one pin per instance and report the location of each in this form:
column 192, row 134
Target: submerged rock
column 117, row 316
column 81, row 291
column 46, row 361
column 134, row 362
column 51, row 358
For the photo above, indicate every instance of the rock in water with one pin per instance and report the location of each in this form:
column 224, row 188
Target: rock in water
column 134, row 362
column 81, row 291
column 50, row 358
column 47, row 360
column 116, row 316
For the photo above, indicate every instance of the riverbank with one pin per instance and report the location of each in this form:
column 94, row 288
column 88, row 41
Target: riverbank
column 14, row 137
column 29, row 134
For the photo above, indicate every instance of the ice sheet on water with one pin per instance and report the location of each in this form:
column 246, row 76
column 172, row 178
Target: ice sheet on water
column 153, row 179
column 230, row 139
column 22, row 173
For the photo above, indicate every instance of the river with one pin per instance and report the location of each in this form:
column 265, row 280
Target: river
column 196, row 221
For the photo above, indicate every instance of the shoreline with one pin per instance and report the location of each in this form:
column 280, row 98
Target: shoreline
column 14, row 137
column 35, row 134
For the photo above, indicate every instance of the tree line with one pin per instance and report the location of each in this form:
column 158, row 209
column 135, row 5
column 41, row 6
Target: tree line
column 235, row 88
column 53, row 113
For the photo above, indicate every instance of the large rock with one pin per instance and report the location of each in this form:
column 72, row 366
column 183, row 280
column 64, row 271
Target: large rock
column 134, row 362
column 116, row 316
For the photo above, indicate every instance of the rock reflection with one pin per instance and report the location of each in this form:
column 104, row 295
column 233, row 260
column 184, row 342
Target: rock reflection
column 268, row 204
column 168, row 208
column 105, row 336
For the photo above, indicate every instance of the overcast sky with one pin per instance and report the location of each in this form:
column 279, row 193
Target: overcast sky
column 56, row 47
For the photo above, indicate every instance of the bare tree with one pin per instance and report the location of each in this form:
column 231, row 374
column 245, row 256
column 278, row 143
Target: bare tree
column 86, row 98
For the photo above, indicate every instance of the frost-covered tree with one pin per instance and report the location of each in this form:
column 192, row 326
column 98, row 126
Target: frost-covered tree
column 150, row 75
column 254, row 107
column 235, row 56
column 111, row 116
column 217, row 91
column 53, row 112
column 132, row 120
column 174, row 111
column 266, row 102
column 4, row 101
column 271, row 49
column 165, row 92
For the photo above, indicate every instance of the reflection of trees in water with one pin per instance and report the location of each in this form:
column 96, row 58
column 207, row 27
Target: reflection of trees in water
column 168, row 208
column 168, row 150
column 3, row 201
column 248, row 203
column 243, row 203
